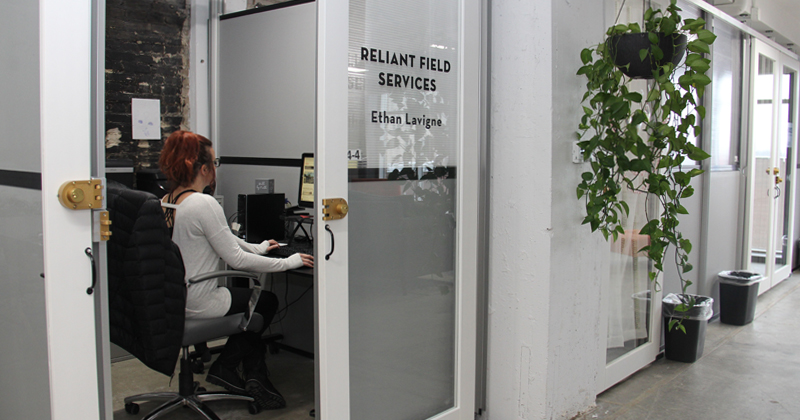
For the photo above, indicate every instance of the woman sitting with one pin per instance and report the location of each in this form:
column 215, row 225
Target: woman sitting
column 201, row 232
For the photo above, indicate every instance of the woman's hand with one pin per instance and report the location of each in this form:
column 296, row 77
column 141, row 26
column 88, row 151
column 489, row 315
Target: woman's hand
column 273, row 244
column 308, row 260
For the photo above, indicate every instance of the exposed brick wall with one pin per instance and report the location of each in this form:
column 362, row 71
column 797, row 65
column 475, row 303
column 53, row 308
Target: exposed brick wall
column 146, row 57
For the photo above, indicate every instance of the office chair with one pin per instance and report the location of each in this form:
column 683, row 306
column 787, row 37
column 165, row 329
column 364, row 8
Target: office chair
column 147, row 300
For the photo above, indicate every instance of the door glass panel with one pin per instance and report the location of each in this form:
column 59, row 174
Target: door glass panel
column 762, row 145
column 630, row 305
column 782, row 187
column 403, row 144
column 25, row 379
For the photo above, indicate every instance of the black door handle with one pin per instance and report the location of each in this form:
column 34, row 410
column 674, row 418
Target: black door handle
column 89, row 254
column 333, row 245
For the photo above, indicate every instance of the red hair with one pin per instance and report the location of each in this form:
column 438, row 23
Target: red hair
column 182, row 156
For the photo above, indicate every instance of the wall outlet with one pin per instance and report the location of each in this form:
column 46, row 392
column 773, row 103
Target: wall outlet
column 265, row 186
column 577, row 156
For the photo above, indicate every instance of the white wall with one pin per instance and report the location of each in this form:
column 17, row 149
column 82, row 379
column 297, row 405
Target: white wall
column 781, row 15
column 545, row 268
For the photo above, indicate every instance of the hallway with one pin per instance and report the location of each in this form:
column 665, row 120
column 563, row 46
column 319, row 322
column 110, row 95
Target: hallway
column 749, row 372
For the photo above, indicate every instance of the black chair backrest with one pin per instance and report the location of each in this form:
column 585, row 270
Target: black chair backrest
column 147, row 292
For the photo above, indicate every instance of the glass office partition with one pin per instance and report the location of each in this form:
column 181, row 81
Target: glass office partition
column 763, row 113
column 403, row 159
column 783, row 187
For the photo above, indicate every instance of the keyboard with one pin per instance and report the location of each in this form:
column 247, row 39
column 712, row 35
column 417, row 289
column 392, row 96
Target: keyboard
column 289, row 250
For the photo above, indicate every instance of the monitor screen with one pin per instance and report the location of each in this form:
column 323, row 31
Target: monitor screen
column 306, row 195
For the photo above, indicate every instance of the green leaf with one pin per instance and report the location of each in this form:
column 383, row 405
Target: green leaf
column 701, row 110
column 699, row 66
column 700, row 79
column 653, row 37
column 706, row 36
column 634, row 27
column 682, row 328
column 698, row 47
column 586, row 56
column 672, row 323
column 653, row 94
column 587, row 176
column 633, row 96
column 687, row 268
column 642, row 54
column 698, row 154
column 625, row 206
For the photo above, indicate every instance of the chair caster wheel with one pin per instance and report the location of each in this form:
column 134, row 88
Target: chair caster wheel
column 253, row 408
column 201, row 389
column 197, row 366
column 132, row 408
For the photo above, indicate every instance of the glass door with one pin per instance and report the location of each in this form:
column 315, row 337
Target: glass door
column 631, row 307
column 48, row 318
column 397, row 137
column 770, row 169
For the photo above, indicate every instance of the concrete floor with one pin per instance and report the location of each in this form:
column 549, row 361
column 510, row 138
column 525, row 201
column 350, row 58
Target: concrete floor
column 291, row 374
column 747, row 372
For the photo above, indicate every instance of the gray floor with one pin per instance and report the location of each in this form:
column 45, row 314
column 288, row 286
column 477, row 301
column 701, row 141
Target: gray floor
column 292, row 375
column 748, row 372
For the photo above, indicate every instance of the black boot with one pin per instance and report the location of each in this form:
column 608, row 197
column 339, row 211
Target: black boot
column 257, row 383
column 224, row 371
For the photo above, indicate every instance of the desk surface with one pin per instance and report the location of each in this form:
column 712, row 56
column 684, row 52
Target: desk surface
column 302, row 271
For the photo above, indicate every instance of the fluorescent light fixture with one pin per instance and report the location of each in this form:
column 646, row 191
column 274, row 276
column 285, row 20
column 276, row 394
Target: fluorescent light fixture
column 356, row 70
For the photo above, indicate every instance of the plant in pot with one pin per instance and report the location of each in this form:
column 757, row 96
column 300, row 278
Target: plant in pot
column 644, row 142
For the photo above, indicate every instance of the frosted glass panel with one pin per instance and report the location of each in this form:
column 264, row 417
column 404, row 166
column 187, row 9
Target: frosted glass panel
column 762, row 144
column 785, row 164
column 403, row 150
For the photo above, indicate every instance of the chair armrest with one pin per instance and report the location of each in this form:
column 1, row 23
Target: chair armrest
column 235, row 273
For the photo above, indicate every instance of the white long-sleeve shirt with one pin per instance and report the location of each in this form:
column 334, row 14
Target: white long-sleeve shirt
column 202, row 234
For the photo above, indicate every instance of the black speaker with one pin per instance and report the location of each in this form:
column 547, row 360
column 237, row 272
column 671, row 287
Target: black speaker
column 260, row 216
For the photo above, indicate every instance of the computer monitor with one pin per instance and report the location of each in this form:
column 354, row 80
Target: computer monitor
column 306, row 195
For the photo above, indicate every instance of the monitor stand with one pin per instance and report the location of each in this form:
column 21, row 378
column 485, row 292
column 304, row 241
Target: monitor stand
column 296, row 211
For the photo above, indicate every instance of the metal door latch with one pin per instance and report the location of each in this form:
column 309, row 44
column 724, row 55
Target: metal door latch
column 334, row 208
column 81, row 195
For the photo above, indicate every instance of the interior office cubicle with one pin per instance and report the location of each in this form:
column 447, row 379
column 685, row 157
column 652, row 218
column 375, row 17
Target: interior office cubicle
column 274, row 73
column 265, row 99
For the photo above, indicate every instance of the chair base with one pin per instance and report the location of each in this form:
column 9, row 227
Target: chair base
column 174, row 400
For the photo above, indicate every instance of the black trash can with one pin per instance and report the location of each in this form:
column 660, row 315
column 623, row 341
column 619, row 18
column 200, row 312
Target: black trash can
column 738, row 292
column 686, row 347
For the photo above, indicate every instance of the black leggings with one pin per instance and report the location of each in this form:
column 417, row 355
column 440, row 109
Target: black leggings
column 267, row 304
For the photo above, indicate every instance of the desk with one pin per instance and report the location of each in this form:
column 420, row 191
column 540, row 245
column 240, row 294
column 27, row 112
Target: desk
column 292, row 329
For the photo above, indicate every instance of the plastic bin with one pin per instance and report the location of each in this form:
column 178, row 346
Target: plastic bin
column 686, row 347
column 738, row 292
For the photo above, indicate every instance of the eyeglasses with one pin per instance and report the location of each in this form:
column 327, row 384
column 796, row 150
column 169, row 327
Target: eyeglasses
column 216, row 163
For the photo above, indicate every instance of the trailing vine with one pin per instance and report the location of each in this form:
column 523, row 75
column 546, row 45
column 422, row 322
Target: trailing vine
column 642, row 143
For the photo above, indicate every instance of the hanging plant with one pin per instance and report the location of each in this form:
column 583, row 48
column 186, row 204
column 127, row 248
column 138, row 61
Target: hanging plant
column 642, row 142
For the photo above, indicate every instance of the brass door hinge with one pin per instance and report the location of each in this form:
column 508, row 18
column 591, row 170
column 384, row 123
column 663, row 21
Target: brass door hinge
column 334, row 208
column 103, row 226
column 81, row 195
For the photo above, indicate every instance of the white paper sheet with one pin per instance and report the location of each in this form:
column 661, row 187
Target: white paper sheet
column 146, row 118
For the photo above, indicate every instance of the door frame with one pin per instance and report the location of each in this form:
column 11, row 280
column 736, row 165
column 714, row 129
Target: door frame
column 772, row 275
column 66, row 39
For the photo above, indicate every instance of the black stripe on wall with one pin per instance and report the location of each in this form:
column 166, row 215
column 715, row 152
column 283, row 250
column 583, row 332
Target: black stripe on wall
column 21, row 179
column 236, row 160
column 264, row 9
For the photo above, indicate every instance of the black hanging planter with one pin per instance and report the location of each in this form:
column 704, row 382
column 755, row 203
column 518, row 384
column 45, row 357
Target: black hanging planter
column 624, row 50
